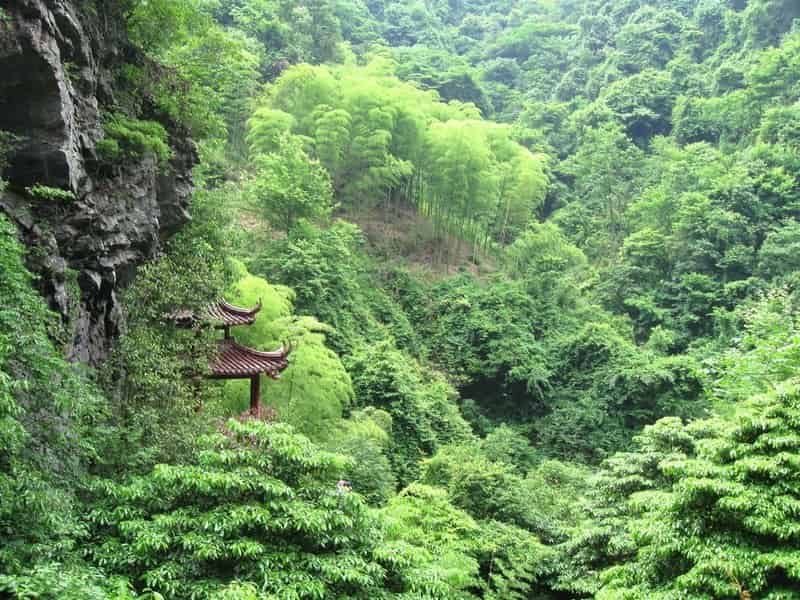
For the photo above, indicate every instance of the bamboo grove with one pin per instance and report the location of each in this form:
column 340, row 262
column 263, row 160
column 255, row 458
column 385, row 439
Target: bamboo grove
column 386, row 144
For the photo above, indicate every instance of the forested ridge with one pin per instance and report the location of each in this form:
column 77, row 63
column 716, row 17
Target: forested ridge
column 536, row 262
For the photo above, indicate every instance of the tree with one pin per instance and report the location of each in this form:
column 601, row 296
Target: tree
column 385, row 143
column 198, row 73
column 266, row 129
column 605, row 168
column 778, row 255
column 522, row 184
column 642, row 103
column 309, row 33
column 460, row 191
column 423, row 413
column 767, row 20
column 763, row 352
column 649, row 38
column 222, row 69
column 324, row 269
column 332, row 136
column 315, row 390
column 54, row 424
column 407, row 24
column 726, row 527
column 490, row 339
column 151, row 373
column 612, row 503
column 447, row 536
column 289, row 185
column 366, row 437
column 259, row 511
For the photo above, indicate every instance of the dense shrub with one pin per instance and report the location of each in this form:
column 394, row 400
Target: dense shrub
column 131, row 139
column 53, row 425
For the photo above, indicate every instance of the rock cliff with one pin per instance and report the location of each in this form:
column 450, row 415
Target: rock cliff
column 57, row 60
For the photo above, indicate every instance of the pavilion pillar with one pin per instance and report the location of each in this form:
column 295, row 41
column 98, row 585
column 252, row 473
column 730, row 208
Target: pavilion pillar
column 255, row 392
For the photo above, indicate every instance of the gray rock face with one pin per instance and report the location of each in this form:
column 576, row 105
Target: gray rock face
column 54, row 76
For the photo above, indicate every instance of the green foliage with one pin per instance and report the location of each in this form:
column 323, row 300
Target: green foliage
column 50, row 194
column 423, row 413
column 777, row 257
column 315, row 389
column 499, row 560
column 53, row 423
column 55, row 581
column 260, row 507
column 153, row 372
column 365, row 437
column 699, row 229
column 276, row 303
column 289, row 185
column 605, row 389
column 333, row 282
column 649, row 38
column 384, row 141
column 447, row 74
column 220, row 68
column 514, row 512
column 642, row 103
column 322, row 266
column 632, row 218
column 196, row 72
column 130, row 139
column 549, row 266
column 725, row 527
column 542, row 501
column 267, row 127
column 445, row 536
column 7, row 141
column 505, row 444
column 516, row 562
column 487, row 333
column 604, row 168
column 764, row 351
column 311, row 33
column 629, row 484
column 151, row 25
column 484, row 488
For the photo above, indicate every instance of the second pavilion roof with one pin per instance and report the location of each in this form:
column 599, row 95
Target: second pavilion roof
column 236, row 361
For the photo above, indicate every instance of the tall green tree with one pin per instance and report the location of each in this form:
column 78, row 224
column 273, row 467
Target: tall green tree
column 726, row 527
column 289, row 185
column 605, row 170
column 258, row 514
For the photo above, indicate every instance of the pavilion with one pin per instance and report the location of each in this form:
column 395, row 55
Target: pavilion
column 233, row 360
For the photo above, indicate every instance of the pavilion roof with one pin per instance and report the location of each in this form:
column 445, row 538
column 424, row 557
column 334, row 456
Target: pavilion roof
column 227, row 314
column 220, row 313
column 236, row 361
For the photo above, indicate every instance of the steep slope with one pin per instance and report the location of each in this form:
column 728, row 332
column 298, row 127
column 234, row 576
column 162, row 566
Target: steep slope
column 59, row 62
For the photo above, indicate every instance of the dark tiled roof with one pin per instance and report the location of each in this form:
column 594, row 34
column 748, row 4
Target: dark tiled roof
column 220, row 313
column 227, row 314
column 235, row 360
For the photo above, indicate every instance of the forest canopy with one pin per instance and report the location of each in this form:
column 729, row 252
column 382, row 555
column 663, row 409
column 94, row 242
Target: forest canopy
column 537, row 265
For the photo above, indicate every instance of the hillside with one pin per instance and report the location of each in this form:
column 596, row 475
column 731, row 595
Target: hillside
column 512, row 287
